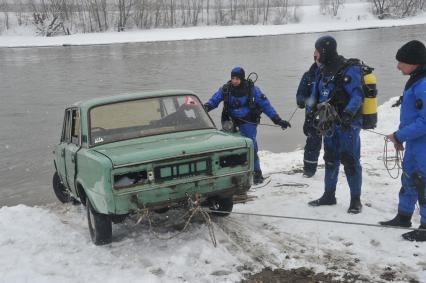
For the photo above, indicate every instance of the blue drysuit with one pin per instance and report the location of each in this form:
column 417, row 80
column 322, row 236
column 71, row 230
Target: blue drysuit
column 242, row 114
column 343, row 146
column 313, row 140
column 412, row 131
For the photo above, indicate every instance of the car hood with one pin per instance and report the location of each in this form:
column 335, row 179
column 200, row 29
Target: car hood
column 169, row 146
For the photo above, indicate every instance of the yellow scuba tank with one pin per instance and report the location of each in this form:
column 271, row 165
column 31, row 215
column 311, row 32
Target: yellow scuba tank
column 369, row 107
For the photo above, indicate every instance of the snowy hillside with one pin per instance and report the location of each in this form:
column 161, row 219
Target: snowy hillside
column 351, row 16
column 52, row 243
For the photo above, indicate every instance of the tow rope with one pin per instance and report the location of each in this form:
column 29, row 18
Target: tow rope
column 194, row 209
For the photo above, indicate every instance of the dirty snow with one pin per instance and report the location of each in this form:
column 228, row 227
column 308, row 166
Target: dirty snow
column 351, row 16
column 52, row 243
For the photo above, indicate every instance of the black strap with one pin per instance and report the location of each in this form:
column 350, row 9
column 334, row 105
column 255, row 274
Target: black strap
column 226, row 94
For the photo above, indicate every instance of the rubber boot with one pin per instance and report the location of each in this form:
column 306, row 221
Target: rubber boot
column 355, row 206
column 400, row 220
column 416, row 235
column 258, row 177
column 308, row 173
column 328, row 198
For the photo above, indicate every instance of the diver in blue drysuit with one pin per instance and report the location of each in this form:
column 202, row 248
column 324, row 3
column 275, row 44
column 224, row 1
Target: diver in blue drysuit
column 342, row 145
column 243, row 104
column 313, row 139
column 412, row 130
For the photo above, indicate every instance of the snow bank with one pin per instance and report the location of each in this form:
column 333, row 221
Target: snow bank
column 351, row 16
column 52, row 243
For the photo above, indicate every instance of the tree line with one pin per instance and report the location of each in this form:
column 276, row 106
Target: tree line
column 58, row 17
column 397, row 8
column 52, row 17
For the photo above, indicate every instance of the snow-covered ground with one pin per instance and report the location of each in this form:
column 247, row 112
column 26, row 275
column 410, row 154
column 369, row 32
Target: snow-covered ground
column 52, row 243
column 351, row 16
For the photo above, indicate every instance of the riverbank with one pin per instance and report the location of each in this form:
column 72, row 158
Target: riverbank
column 352, row 16
column 51, row 243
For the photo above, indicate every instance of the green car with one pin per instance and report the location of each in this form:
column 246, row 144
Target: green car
column 154, row 150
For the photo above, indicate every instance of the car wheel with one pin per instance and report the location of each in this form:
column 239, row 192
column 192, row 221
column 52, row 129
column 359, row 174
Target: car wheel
column 224, row 205
column 162, row 210
column 100, row 226
column 118, row 218
column 61, row 192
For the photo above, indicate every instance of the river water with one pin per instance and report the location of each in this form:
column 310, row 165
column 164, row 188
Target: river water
column 36, row 84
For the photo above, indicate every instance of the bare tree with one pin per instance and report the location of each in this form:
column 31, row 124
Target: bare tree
column 330, row 7
column 335, row 6
column 219, row 13
column 281, row 11
column 124, row 11
column 323, row 5
column 381, row 7
column 142, row 14
column 265, row 15
column 158, row 5
column 197, row 6
column 207, row 12
column 396, row 8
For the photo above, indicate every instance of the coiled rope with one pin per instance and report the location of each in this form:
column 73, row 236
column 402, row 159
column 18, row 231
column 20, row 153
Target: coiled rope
column 393, row 162
column 325, row 118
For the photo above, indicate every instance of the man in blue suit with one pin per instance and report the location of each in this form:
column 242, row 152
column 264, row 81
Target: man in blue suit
column 340, row 85
column 411, row 59
column 243, row 104
column 313, row 139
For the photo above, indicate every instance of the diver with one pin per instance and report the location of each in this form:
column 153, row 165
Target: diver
column 344, row 94
column 243, row 105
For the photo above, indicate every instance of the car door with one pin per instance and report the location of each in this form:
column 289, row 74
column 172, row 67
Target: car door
column 60, row 149
column 72, row 147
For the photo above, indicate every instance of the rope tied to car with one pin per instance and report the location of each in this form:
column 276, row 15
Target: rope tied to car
column 195, row 208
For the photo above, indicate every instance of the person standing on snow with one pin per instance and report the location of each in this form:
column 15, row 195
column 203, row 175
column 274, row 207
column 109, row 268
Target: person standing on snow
column 411, row 59
column 313, row 139
column 243, row 104
column 342, row 144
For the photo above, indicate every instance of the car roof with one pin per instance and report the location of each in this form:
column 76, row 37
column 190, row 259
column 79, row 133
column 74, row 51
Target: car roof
column 129, row 96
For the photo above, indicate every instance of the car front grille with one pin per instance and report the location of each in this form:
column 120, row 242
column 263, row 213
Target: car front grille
column 184, row 169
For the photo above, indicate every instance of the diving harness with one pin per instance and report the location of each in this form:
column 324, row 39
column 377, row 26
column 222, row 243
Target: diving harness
column 228, row 123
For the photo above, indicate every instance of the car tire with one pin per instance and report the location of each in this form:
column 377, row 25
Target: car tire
column 162, row 210
column 100, row 226
column 61, row 192
column 118, row 218
column 224, row 205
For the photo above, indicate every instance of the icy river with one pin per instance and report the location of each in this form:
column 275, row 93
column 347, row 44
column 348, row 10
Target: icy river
column 36, row 84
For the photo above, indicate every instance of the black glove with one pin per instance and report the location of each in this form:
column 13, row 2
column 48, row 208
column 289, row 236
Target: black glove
column 207, row 107
column 284, row 124
column 280, row 122
column 301, row 104
column 309, row 123
column 346, row 121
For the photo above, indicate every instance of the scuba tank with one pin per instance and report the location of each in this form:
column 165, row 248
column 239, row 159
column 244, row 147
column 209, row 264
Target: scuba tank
column 369, row 107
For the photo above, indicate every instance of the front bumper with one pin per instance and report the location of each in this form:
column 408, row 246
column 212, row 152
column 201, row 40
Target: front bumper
column 173, row 194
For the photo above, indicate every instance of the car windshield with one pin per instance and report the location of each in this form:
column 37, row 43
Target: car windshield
column 147, row 117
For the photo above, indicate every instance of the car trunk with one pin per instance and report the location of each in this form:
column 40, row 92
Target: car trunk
column 178, row 145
